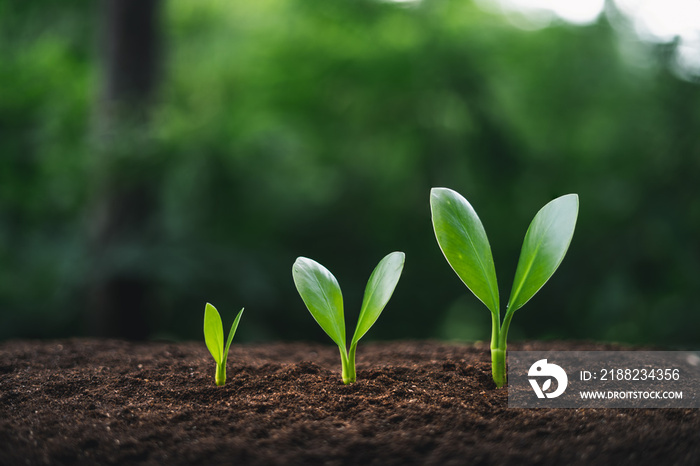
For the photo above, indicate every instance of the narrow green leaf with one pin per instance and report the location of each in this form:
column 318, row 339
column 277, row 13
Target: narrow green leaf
column 320, row 292
column 231, row 333
column 545, row 245
column 463, row 241
column 214, row 333
column 379, row 289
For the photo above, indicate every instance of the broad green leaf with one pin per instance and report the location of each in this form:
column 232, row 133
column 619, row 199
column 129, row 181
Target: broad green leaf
column 545, row 245
column 463, row 241
column 321, row 293
column 231, row 333
column 379, row 289
column 214, row 333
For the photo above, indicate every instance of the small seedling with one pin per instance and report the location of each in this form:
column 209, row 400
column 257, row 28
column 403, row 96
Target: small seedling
column 463, row 241
column 214, row 338
column 321, row 293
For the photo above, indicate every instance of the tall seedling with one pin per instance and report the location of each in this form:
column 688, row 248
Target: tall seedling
column 321, row 293
column 463, row 241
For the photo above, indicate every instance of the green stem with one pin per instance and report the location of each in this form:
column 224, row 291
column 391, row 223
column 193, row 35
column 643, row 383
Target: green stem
column 498, row 355
column 348, row 362
column 503, row 337
column 498, row 366
column 498, row 351
column 495, row 329
column 220, row 377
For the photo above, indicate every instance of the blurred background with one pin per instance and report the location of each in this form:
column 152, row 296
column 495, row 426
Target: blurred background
column 158, row 155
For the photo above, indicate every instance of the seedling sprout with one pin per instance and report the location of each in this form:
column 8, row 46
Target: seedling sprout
column 214, row 338
column 463, row 241
column 321, row 293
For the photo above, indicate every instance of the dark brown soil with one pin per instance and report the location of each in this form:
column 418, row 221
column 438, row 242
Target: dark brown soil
column 111, row 402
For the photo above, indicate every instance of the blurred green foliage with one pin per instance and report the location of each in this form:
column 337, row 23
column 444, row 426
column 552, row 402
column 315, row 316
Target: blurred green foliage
column 295, row 127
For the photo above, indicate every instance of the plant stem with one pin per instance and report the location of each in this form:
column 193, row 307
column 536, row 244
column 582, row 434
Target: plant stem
column 495, row 330
column 348, row 363
column 503, row 334
column 498, row 351
column 220, row 377
column 498, row 354
column 498, row 366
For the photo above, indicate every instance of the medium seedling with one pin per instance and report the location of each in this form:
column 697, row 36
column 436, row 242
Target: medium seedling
column 321, row 293
column 214, row 338
column 463, row 241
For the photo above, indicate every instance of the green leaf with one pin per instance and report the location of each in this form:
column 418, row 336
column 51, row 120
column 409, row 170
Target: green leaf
column 214, row 333
column 321, row 293
column 463, row 241
column 231, row 333
column 545, row 245
column 379, row 289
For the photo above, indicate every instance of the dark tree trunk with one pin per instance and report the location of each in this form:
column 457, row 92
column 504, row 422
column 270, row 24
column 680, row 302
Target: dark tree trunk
column 121, row 217
column 130, row 49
